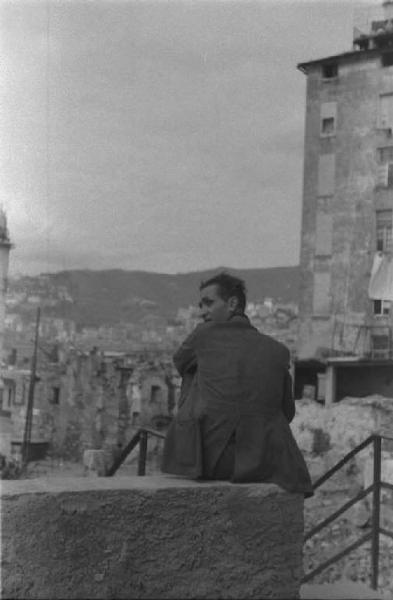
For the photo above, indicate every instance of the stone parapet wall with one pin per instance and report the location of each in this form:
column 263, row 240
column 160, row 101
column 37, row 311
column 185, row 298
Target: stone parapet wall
column 149, row 537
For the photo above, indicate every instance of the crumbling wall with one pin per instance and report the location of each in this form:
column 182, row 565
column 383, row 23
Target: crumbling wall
column 93, row 409
column 88, row 412
column 84, row 402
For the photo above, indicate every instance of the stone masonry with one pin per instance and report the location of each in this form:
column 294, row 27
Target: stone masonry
column 147, row 537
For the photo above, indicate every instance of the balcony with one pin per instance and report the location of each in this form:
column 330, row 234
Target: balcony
column 380, row 342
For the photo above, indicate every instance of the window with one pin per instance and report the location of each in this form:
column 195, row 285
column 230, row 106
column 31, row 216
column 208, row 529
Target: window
column 327, row 126
column 385, row 166
column 384, row 230
column 387, row 59
column 9, row 397
column 385, row 175
column 55, row 399
column 328, row 118
column 329, row 71
column 321, row 297
column 380, row 346
column 385, row 116
column 381, row 307
column 155, row 394
column 20, row 392
column 323, row 235
column 326, row 175
column 385, row 155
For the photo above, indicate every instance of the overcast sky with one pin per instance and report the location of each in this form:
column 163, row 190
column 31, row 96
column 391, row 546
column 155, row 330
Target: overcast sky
column 163, row 136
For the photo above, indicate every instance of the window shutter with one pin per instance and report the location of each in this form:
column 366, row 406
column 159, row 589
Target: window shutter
column 382, row 175
column 385, row 154
column 323, row 235
column 321, row 297
column 386, row 111
column 329, row 110
column 383, row 112
column 389, row 182
column 326, row 174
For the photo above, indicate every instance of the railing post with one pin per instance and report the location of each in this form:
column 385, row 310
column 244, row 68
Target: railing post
column 376, row 512
column 142, row 453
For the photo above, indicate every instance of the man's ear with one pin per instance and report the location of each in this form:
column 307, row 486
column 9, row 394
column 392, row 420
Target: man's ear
column 233, row 303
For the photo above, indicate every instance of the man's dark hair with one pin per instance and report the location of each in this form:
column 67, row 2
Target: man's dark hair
column 228, row 286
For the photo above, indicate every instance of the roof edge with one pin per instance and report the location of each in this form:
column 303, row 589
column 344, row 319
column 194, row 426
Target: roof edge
column 338, row 57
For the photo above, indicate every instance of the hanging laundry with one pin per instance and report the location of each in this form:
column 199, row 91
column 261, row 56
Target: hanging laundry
column 381, row 280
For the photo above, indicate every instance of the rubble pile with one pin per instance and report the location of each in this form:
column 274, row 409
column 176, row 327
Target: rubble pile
column 326, row 434
column 347, row 422
column 340, row 534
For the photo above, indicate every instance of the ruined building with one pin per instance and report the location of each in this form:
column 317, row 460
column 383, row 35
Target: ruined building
column 89, row 400
column 345, row 344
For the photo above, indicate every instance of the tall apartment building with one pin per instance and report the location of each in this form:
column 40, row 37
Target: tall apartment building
column 346, row 296
column 5, row 247
column 5, row 415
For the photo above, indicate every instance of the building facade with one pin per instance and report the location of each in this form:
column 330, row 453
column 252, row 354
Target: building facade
column 5, row 414
column 5, row 247
column 346, row 291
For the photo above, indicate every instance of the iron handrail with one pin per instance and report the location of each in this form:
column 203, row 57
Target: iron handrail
column 388, row 486
column 376, row 528
column 386, row 532
column 342, row 462
column 336, row 557
column 338, row 512
column 140, row 437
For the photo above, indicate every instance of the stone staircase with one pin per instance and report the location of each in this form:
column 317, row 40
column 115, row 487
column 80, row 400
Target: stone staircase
column 341, row 590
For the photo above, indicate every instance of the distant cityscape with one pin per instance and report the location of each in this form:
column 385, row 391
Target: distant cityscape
column 98, row 378
column 150, row 330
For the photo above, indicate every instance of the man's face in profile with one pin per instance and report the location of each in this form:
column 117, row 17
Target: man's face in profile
column 212, row 306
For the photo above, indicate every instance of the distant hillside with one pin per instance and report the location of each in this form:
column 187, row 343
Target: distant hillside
column 112, row 296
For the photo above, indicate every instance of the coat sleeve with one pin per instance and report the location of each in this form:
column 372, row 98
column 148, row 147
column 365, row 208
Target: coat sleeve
column 185, row 358
column 288, row 404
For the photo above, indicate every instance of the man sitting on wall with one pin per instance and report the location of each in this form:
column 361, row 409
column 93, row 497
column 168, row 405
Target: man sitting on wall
column 236, row 399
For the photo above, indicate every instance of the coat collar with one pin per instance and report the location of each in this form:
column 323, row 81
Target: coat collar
column 240, row 320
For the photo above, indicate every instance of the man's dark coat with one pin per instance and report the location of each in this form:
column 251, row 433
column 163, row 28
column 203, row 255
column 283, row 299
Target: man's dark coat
column 235, row 382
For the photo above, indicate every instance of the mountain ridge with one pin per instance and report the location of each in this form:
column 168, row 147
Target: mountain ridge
column 111, row 296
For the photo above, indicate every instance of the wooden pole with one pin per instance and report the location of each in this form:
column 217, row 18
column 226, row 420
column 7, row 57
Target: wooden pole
column 30, row 398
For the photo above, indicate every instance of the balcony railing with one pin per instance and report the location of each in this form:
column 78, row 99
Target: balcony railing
column 369, row 341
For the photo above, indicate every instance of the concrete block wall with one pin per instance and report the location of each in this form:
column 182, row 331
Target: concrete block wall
column 147, row 537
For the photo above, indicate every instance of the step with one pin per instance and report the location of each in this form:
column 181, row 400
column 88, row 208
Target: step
column 340, row 590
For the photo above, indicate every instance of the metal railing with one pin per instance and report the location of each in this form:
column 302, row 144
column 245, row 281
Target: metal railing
column 140, row 438
column 376, row 529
